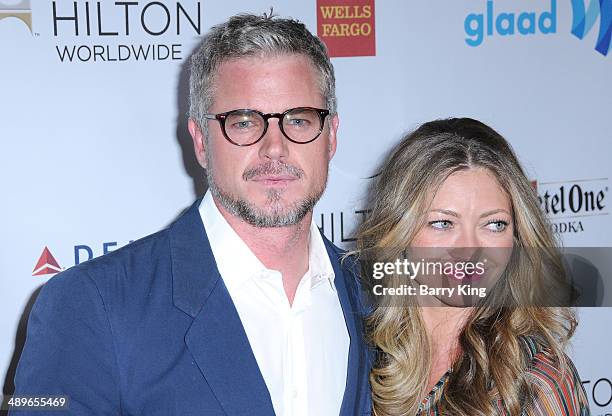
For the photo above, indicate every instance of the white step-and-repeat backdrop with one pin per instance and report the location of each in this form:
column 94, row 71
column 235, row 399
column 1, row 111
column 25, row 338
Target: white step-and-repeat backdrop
column 94, row 150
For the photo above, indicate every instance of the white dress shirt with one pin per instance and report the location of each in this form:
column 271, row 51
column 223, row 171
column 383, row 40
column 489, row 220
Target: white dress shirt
column 301, row 349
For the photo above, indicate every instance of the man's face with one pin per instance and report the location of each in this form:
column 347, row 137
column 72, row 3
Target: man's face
column 274, row 182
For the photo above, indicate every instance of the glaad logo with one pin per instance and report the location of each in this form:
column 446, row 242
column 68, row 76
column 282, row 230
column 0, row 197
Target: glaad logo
column 479, row 25
column 584, row 19
column 21, row 11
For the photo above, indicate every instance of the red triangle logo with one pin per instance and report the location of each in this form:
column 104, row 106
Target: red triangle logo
column 46, row 264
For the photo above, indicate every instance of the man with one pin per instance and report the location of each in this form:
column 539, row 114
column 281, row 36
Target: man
column 241, row 306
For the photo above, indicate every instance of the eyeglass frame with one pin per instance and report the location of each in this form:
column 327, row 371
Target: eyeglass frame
column 221, row 117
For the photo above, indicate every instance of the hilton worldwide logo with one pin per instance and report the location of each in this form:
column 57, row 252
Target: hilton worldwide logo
column 124, row 23
column 21, row 11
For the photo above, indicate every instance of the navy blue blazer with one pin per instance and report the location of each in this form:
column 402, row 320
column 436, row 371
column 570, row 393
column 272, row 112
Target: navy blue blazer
column 150, row 329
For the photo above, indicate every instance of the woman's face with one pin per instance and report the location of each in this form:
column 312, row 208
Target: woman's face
column 470, row 209
column 470, row 220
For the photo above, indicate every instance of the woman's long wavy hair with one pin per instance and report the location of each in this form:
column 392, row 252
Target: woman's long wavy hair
column 493, row 361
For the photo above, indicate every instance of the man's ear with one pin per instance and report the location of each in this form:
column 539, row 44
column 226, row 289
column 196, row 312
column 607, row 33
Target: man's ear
column 199, row 142
column 333, row 129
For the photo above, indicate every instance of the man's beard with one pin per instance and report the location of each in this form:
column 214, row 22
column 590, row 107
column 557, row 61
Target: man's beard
column 276, row 215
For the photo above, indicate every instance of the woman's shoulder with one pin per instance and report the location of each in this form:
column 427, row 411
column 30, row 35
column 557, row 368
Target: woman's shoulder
column 555, row 386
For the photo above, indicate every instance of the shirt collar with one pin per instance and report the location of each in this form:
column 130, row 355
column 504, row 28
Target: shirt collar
column 237, row 263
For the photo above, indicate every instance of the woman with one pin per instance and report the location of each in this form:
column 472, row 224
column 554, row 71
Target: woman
column 456, row 183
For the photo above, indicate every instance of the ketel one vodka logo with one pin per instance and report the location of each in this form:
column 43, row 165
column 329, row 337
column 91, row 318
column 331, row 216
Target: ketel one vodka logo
column 570, row 204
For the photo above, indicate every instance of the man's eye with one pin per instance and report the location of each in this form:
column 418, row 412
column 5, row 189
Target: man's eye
column 497, row 226
column 441, row 224
column 298, row 122
column 242, row 124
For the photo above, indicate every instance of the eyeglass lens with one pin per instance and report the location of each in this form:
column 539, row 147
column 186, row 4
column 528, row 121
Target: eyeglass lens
column 247, row 126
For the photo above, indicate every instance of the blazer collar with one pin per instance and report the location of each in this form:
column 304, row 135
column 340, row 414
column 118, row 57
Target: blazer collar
column 348, row 295
column 194, row 270
column 217, row 339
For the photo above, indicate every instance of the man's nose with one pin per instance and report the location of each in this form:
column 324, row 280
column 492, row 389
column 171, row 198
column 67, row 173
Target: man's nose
column 274, row 145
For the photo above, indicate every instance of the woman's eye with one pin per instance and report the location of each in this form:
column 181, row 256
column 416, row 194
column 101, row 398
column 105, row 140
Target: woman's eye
column 497, row 226
column 441, row 224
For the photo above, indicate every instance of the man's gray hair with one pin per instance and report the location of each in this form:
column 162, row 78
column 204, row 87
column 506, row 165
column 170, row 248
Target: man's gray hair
column 247, row 35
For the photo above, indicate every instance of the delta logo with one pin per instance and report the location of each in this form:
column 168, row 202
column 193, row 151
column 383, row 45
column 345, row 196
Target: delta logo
column 570, row 204
column 347, row 27
column 47, row 263
column 496, row 22
column 21, row 11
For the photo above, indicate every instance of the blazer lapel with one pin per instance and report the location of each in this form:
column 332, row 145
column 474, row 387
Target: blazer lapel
column 216, row 338
column 222, row 352
column 347, row 295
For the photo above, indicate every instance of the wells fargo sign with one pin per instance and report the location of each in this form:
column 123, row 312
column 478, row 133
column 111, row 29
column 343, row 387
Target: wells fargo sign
column 347, row 27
